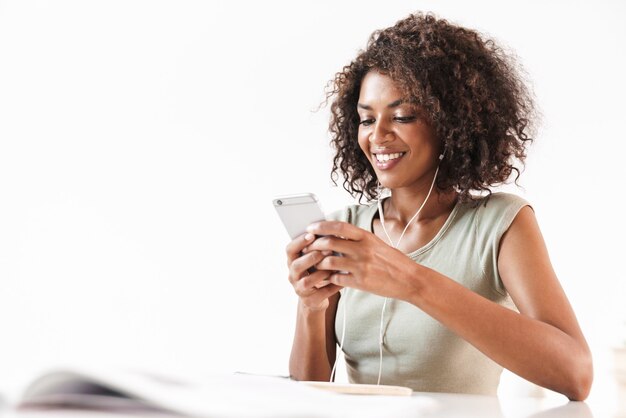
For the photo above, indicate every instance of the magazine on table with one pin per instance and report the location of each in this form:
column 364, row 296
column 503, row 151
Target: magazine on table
column 228, row 395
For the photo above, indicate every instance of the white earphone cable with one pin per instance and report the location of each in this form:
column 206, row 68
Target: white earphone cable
column 381, row 336
column 381, row 333
column 382, row 217
column 343, row 334
column 396, row 245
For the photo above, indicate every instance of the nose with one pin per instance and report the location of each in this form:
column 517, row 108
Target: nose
column 380, row 134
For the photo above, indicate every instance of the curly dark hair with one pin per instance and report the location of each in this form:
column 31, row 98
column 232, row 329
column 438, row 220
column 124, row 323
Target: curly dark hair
column 469, row 87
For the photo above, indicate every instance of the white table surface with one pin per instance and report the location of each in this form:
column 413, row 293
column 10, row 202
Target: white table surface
column 431, row 405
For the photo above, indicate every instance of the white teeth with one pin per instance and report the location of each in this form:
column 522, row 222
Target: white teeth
column 386, row 157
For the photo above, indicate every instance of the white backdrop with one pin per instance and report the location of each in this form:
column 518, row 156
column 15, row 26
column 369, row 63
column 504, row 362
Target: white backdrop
column 141, row 143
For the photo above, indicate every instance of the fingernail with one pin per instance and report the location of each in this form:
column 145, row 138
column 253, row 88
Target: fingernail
column 309, row 237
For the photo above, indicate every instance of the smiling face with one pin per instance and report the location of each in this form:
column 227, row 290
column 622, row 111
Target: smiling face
column 395, row 136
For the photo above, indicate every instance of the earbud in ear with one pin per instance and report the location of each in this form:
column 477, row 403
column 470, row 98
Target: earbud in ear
column 440, row 157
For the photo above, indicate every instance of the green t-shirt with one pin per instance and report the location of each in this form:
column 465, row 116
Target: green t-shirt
column 418, row 351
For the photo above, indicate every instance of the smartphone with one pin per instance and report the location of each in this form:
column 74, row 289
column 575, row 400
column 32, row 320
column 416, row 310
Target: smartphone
column 297, row 211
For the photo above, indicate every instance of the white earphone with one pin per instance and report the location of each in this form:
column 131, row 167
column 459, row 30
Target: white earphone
column 382, row 312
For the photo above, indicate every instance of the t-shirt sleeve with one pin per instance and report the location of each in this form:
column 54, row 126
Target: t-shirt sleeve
column 343, row 215
column 496, row 217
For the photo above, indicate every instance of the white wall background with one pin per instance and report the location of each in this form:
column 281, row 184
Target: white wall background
column 141, row 143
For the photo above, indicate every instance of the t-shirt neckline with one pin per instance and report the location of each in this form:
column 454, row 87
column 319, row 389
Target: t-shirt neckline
column 433, row 241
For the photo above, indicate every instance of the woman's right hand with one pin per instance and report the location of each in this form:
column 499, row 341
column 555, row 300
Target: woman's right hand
column 311, row 288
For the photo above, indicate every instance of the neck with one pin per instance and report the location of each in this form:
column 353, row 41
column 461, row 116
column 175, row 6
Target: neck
column 404, row 203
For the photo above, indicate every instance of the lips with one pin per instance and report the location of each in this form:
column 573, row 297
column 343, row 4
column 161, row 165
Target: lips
column 386, row 161
column 388, row 156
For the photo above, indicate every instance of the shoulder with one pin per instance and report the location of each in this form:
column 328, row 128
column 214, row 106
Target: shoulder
column 498, row 202
column 354, row 214
column 494, row 215
column 499, row 209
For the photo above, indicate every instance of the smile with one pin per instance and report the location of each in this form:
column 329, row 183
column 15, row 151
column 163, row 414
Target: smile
column 386, row 157
column 387, row 161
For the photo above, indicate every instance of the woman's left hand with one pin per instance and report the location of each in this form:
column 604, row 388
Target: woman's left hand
column 366, row 262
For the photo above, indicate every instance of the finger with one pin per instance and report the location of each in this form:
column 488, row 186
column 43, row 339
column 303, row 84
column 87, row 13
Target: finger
column 335, row 263
column 320, row 294
column 308, row 283
column 323, row 283
column 332, row 244
column 342, row 279
column 302, row 264
column 295, row 247
column 338, row 229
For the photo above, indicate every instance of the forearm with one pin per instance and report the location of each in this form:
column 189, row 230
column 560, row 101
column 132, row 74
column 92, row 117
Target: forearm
column 537, row 351
column 309, row 359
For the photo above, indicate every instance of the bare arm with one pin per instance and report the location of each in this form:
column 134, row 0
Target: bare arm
column 313, row 350
column 543, row 343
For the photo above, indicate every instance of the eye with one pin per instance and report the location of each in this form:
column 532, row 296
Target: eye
column 405, row 119
column 366, row 122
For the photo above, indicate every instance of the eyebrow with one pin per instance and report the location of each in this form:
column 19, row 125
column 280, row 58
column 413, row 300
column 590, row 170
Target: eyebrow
column 390, row 105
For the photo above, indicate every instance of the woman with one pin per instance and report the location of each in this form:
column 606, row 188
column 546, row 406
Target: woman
column 442, row 283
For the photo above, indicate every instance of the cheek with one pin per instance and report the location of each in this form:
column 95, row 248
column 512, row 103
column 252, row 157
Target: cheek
column 364, row 143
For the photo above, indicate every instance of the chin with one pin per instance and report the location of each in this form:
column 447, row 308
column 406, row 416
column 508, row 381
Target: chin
column 391, row 184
